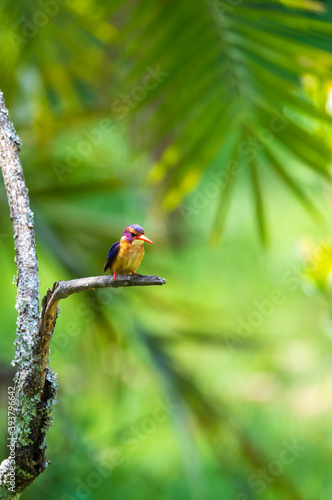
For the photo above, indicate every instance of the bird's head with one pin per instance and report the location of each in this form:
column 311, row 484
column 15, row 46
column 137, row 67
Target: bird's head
column 135, row 235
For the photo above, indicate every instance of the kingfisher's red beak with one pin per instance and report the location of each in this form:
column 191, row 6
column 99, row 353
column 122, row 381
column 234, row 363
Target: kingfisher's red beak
column 144, row 238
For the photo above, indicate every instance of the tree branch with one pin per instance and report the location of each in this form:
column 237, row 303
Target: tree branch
column 63, row 289
column 26, row 462
column 35, row 383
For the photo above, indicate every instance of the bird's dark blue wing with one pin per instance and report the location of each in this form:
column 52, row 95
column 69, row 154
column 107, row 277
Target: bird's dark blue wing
column 112, row 254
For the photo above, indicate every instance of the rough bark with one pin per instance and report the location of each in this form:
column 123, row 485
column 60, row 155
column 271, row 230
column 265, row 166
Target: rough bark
column 35, row 383
column 32, row 408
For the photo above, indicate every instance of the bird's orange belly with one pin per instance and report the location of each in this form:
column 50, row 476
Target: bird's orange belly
column 128, row 260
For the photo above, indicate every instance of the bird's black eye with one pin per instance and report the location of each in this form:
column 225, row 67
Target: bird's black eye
column 133, row 234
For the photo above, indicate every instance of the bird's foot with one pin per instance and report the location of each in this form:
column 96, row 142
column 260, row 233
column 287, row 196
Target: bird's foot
column 114, row 276
column 134, row 274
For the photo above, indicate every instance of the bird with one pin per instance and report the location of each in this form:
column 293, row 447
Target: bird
column 125, row 255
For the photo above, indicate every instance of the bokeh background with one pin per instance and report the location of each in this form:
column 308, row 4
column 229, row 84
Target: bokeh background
column 209, row 124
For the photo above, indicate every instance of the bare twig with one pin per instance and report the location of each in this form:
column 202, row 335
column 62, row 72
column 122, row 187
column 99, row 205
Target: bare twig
column 65, row 288
column 62, row 290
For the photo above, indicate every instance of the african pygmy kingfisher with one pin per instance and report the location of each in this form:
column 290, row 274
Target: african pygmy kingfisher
column 125, row 255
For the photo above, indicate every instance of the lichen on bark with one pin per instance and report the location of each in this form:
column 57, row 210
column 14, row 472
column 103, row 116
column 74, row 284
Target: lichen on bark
column 33, row 401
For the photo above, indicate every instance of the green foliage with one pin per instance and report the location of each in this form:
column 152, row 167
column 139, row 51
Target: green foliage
column 184, row 78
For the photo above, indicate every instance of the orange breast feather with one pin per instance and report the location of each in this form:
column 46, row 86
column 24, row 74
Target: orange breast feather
column 128, row 259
